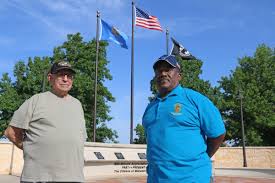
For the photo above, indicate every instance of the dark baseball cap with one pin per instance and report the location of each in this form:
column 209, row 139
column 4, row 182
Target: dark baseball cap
column 170, row 59
column 61, row 65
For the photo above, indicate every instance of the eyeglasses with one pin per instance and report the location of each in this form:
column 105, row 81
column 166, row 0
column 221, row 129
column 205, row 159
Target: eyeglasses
column 63, row 74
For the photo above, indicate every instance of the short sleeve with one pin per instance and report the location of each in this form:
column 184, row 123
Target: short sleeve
column 22, row 116
column 210, row 118
column 84, row 130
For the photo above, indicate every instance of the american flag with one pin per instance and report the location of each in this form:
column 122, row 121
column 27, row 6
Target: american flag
column 147, row 21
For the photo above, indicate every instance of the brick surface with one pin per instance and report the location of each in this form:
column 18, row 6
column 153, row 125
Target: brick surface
column 15, row 179
column 120, row 180
column 242, row 180
column 217, row 180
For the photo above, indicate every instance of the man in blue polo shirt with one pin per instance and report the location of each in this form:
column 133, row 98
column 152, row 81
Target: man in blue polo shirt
column 183, row 129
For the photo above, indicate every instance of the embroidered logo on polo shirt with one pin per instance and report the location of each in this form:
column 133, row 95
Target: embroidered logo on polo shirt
column 177, row 109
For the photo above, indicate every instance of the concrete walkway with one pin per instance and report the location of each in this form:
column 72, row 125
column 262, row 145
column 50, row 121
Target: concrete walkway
column 246, row 172
column 243, row 180
column 16, row 179
column 9, row 179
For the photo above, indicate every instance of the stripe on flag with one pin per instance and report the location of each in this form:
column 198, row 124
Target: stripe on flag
column 147, row 21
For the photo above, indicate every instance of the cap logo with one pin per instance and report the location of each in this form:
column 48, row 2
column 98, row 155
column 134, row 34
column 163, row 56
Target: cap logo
column 64, row 64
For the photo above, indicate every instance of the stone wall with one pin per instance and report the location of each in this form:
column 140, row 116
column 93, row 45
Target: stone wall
column 114, row 160
column 256, row 157
column 6, row 159
column 100, row 159
column 226, row 157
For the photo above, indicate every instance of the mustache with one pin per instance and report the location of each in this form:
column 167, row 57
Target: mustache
column 162, row 78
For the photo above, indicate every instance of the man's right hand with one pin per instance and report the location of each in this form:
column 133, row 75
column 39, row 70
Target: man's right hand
column 15, row 135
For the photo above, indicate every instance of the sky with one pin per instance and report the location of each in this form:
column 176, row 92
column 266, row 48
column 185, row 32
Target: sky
column 217, row 32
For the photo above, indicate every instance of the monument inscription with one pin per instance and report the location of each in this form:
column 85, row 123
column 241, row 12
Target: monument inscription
column 130, row 167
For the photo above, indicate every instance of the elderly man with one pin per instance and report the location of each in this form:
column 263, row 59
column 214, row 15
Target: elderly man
column 183, row 129
column 50, row 129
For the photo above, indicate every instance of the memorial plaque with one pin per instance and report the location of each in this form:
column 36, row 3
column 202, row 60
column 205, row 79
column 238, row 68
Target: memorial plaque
column 130, row 167
column 141, row 155
column 119, row 155
column 98, row 155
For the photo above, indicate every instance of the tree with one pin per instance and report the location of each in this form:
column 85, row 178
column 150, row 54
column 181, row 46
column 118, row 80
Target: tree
column 10, row 101
column 254, row 79
column 81, row 54
column 141, row 139
column 28, row 81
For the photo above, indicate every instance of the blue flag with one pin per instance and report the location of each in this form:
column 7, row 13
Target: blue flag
column 110, row 33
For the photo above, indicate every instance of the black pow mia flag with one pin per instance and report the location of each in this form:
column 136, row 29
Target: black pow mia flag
column 179, row 50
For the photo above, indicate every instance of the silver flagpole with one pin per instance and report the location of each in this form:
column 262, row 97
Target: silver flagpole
column 132, row 77
column 167, row 41
column 96, row 68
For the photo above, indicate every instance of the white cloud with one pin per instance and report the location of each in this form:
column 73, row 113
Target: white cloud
column 60, row 17
column 59, row 6
column 83, row 7
column 31, row 11
column 64, row 17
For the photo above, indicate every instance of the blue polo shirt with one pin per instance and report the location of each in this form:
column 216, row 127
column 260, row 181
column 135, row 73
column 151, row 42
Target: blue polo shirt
column 176, row 128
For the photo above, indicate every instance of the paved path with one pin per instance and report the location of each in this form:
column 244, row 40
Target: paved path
column 242, row 180
column 217, row 180
column 15, row 179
